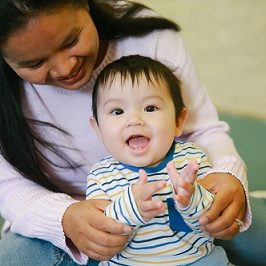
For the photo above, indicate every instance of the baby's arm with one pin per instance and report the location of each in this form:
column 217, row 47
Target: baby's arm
column 183, row 184
column 134, row 206
column 192, row 199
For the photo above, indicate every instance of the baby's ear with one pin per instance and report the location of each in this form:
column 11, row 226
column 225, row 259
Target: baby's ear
column 95, row 126
column 180, row 122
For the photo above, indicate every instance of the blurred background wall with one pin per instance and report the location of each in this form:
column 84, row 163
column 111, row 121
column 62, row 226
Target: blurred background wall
column 227, row 41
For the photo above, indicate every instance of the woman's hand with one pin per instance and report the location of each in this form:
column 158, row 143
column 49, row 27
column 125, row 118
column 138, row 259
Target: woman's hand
column 229, row 204
column 94, row 234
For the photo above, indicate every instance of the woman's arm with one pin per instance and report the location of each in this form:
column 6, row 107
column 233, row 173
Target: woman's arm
column 93, row 233
column 204, row 128
column 34, row 211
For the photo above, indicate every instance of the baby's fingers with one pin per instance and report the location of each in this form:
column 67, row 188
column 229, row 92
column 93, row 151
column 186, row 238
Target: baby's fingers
column 142, row 177
column 189, row 174
column 150, row 189
column 151, row 205
column 149, row 209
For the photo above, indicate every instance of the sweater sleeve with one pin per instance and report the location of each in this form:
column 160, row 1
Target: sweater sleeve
column 200, row 201
column 35, row 211
column 203, row 126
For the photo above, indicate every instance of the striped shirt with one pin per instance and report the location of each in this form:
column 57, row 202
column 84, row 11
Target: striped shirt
column 154, row 242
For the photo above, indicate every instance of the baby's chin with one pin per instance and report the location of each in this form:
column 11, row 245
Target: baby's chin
column 140, row 163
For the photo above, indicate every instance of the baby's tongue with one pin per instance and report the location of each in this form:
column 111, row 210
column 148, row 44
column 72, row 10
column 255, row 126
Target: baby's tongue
column 138, row 142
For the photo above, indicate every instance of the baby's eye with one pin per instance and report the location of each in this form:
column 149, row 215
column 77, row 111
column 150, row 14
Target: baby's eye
column 117, row 111
column 150, row 108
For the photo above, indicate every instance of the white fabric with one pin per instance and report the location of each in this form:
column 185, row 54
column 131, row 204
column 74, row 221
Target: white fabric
column 35, row 212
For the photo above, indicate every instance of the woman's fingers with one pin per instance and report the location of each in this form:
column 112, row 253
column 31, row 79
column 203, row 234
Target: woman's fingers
column 103, row 223
column 92, row 232
column 103, row 245
column 228, row 205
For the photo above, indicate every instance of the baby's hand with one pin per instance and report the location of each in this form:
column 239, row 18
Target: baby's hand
column 143, row 191
column 183, row 183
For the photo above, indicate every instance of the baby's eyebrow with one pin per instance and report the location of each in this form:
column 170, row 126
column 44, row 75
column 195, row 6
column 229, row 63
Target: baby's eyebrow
column 153, row 97
column 112, row 101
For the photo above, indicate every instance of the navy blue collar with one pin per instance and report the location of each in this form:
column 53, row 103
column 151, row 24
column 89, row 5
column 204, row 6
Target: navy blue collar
column 155, row 169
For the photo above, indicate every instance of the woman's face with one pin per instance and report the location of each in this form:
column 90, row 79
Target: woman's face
column 58, row 48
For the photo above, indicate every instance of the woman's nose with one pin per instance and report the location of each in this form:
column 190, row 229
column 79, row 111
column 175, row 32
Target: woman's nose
column 62, row 66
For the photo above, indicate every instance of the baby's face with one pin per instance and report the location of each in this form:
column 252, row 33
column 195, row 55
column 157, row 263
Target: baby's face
column 137, row 123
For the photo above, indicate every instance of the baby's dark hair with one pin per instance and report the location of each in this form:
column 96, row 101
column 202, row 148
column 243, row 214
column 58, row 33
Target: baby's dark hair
column 134, row 66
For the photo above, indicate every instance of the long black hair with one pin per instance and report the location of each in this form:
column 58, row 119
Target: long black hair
column 18, row 141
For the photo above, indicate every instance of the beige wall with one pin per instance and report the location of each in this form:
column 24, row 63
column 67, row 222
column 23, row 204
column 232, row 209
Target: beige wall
column 227, row 40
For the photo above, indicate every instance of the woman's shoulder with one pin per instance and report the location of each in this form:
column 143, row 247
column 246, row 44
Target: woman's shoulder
column 159, row 44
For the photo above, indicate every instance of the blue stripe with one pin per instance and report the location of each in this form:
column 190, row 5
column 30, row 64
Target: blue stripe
column 131, row 204
column 121, row 212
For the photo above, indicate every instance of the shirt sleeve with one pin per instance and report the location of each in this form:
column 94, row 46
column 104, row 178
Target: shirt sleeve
column 35, row 211
column 123, row 208
column 200, row 202
column 203, row 126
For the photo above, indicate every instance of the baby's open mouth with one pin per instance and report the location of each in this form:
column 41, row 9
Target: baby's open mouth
column 137, row 142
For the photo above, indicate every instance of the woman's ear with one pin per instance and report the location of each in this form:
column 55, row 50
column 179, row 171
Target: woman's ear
column 95, row 126
column 180, row 122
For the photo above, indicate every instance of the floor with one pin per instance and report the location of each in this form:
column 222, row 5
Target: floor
column 227, row 41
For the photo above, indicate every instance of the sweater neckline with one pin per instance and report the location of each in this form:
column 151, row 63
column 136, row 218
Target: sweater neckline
column 109, row 56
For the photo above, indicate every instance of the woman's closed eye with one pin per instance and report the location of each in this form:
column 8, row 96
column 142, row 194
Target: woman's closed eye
column 35, row 65
column 72, row 42
column 41, row 62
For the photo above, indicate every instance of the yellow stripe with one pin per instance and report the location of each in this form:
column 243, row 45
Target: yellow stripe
column 178, row 161
column 112, row 176
column 163, row 262
column 123, row 198
column 153, row 231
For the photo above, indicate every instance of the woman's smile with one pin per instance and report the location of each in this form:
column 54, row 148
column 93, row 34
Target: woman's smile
column 73, row 77
column 69, row 59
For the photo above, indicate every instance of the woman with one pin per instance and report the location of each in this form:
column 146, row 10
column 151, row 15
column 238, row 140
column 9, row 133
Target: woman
column 51, row 53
